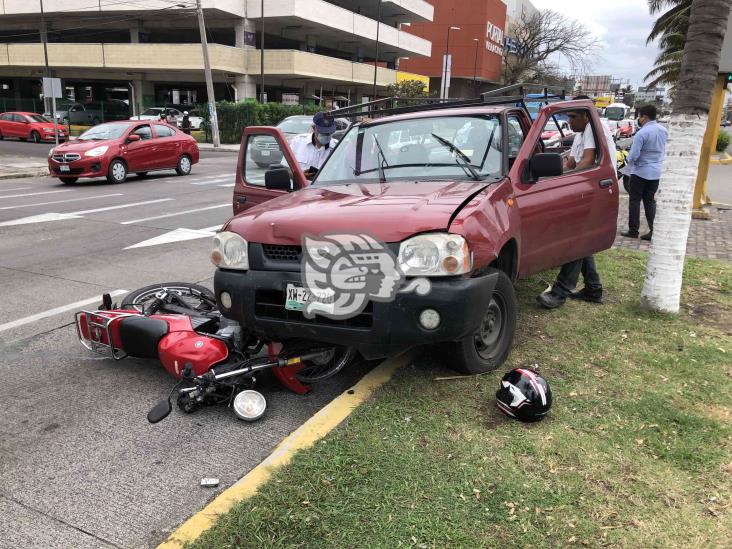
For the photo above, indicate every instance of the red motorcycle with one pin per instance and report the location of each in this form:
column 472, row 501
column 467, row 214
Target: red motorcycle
column 214, row 359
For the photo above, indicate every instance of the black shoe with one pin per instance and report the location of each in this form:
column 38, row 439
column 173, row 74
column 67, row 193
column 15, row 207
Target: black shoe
column 629, row 234
column 550, row 300
column 587, row 294
column 647, row 236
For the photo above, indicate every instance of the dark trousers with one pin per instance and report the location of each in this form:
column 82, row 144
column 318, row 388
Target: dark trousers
column 642, row 190
column 569, row 275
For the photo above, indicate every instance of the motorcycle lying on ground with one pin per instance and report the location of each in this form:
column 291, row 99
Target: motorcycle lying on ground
column 215, row 360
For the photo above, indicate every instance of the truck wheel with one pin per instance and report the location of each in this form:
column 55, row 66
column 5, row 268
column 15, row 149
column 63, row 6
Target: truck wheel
column 488, row 347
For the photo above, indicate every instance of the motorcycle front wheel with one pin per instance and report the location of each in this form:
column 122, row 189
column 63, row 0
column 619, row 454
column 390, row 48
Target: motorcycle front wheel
column 331, row 361
column 193, row 296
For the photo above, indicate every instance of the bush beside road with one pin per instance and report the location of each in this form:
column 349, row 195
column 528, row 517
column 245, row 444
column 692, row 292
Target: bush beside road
column 634, row 453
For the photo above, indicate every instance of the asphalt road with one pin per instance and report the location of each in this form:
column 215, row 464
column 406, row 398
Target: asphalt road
column 79, row 464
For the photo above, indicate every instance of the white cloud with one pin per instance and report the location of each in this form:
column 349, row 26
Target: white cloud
column 621, row 26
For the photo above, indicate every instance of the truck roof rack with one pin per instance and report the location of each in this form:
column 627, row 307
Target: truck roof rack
column 509, row 95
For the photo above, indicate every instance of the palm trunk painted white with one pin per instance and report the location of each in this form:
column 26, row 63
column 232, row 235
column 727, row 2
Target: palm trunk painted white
column 662, row 287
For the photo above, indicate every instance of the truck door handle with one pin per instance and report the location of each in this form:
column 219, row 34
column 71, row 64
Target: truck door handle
column 241, row 199
column 605, row 183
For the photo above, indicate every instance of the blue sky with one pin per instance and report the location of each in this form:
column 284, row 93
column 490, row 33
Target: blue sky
column 621, row 26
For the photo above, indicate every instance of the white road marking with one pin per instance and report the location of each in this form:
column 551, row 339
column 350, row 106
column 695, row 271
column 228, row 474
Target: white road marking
column 43, row 218
column 14, row 189
column 60, row 201
column 57, row 310
column 177, row 235
column 176, row 213
column 227, row 185
column 35, row 194
column 213, row 181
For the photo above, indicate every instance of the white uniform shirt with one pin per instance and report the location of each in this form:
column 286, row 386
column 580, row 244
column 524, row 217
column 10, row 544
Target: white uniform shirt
column 586, row 140
column 308, row 154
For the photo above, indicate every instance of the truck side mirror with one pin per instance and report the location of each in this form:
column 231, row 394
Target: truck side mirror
column 278, row 179
column 546, row 165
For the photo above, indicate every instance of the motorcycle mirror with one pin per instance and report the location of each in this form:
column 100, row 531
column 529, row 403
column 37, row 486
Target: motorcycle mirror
column 160, row 411
column 249, row 405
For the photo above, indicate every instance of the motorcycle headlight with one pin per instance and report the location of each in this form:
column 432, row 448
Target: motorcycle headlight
column 230, row 251
column 437, row 254
column 98, row 151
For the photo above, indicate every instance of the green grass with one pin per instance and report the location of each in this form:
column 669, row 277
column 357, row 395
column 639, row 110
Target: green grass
column 636, row 451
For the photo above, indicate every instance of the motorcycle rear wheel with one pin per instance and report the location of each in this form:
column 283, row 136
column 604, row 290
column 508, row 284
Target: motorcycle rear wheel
column 197, row 297
column 333, row 360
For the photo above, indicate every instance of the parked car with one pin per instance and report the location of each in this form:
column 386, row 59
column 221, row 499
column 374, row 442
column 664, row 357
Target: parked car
column 265, row 151
column 194, row 116
column 115, row 149
column 154, row 113
column 91, row 113
column 625, row 129
column 470, row 226
column 29, row 126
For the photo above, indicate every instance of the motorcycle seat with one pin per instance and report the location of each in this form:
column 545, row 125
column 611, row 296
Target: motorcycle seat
column 140, row 335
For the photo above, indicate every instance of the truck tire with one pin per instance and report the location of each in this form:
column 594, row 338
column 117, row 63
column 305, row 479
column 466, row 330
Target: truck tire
column 488, row 347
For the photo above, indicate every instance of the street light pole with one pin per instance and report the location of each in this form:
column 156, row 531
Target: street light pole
column 376, row 58
column 475, row 65
column 261, row 54
column 209, row 78
column 446, row 67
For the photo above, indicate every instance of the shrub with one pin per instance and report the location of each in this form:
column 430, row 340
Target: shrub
column 723, row 141
column 235, row 116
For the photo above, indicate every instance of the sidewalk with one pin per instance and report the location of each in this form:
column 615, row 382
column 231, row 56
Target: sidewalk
column 12, row 167
column 222, row 148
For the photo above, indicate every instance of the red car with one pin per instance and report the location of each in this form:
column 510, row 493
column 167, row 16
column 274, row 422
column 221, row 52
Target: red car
column 625, row 129
column 29, row 126
column 115, row 149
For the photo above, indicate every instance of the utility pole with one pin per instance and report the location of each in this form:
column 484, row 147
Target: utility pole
column 376, row 58
column 209, row 78
column 261, row 55
column 47, row 72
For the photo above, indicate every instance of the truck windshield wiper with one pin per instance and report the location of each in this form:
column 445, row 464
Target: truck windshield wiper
column 461, row 156
column 382, row 162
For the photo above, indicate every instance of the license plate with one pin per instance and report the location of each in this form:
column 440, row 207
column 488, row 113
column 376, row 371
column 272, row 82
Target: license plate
column 296, row 297
column 265, row 153
column 63, row 168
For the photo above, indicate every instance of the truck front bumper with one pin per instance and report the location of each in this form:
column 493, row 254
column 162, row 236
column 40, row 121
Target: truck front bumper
column 383, row 329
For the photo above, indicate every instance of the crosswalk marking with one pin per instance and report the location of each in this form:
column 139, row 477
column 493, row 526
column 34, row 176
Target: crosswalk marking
column 60, row 201
column 176, row 213
column 177, row 235
column 14, row 189
column 120, row 206
column 42, row 218
column 227, row 185
column 35, row 194
column 213, row 181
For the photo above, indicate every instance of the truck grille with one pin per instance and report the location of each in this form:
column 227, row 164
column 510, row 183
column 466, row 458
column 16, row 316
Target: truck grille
column 278, row 252
column 66, row 158
column 270, row 304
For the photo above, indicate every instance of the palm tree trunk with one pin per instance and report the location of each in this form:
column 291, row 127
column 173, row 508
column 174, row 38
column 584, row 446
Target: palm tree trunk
column 699, row 69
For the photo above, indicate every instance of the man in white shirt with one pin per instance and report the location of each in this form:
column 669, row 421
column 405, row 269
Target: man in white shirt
column 582, row 156
column 312, row 149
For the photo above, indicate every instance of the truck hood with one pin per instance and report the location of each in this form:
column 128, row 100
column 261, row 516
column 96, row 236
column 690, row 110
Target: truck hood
column 389, row 212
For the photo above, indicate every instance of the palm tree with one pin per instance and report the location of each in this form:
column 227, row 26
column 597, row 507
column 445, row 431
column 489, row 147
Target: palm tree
column 671, row 28
column 697, row 75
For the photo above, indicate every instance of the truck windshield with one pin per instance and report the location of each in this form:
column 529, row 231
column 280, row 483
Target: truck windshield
column 444, row 147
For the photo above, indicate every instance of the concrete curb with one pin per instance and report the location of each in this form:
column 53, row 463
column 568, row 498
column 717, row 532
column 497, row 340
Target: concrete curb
column 17, row 175
column 208, row 147
column 721, row 160
column 310, row 432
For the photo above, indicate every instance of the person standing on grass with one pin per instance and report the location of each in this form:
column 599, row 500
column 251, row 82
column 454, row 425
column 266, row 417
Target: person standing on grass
column 645, row 161
column 583, row 155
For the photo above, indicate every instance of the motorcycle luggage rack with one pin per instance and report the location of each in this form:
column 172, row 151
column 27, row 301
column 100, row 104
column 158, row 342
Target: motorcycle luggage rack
column 98, row 328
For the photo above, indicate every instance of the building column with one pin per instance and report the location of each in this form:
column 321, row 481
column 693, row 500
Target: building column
column 245, row 85
column 135, row 28
column 144, row 96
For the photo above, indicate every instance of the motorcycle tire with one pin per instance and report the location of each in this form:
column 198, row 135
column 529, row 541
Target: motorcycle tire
column 140, row 298
column 333, row 362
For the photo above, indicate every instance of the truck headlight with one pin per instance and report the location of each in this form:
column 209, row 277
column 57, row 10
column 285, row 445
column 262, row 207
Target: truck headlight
column 50, row 153
column 435, row 254
column 230, row 251
column 98, row 151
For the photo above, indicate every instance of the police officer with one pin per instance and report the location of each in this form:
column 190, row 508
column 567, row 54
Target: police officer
column 312, row 149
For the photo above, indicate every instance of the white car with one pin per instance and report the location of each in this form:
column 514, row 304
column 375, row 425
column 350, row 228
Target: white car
column 155, row 112
column 195, row 117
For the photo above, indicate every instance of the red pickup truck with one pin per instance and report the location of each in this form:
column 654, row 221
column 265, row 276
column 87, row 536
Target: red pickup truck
column 462, row 195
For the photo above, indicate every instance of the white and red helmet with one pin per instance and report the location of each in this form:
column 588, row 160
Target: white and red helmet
column 524, row 395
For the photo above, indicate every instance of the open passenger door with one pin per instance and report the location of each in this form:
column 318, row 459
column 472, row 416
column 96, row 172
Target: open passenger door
column 266, row 169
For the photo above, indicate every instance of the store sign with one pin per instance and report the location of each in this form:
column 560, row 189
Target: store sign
column 494, row 39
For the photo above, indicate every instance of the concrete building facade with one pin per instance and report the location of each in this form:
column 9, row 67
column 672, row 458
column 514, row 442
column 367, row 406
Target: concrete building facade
column 148, row 52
